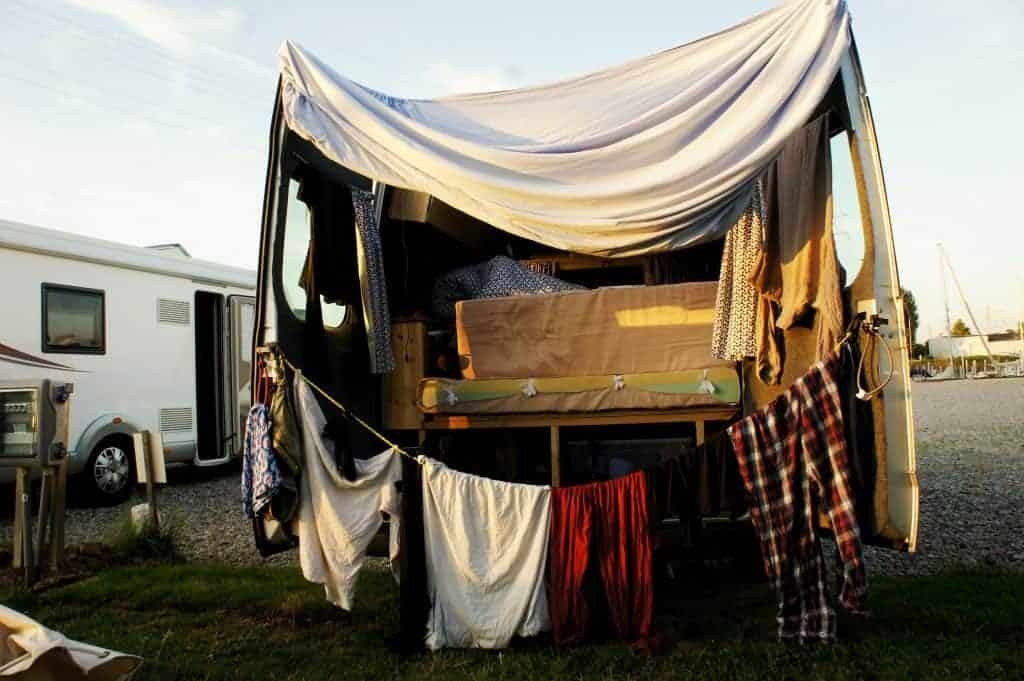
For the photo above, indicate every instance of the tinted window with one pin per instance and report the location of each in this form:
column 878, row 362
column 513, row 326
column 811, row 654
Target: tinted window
column 73, row 320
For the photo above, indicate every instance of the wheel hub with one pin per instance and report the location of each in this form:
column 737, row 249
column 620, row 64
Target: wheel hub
column 110, row 470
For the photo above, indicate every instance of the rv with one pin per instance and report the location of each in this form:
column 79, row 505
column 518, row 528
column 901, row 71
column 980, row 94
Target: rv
column 617, row 191
column 151, row 338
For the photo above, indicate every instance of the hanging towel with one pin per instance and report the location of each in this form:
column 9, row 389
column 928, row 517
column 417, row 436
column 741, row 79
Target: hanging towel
column 261, row 477
column 376, row 314
column 798, row 272
column 793, row 460
column 486, row 548
column 339, row 518
column 607, row 523
column 736, row 308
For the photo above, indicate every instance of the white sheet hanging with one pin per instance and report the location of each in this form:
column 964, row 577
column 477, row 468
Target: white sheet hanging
column 486, row 547
column 338, row 518
column 657, row 154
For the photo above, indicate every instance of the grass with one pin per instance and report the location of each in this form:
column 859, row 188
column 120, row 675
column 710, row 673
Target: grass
column 145, row 542
column 210, row 622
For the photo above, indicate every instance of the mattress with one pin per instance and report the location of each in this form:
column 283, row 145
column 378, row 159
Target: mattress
column 715, row 386
column 607, row 331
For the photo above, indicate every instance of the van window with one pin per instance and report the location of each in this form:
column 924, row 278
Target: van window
column 73, row 320
column 296, row 242
column 847, row 225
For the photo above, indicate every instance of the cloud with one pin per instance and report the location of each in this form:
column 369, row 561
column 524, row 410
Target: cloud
column 451, row 79
column 174, row 29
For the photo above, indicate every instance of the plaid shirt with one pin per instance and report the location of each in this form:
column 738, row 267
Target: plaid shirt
column 792, row 458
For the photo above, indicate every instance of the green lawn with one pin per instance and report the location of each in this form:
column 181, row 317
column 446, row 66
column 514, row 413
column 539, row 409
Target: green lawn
column 209, row 622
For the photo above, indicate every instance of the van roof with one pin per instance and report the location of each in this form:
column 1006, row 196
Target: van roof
column 32, row 239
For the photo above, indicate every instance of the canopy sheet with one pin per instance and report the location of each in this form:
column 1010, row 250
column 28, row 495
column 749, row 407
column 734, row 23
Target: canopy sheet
column 654, row 155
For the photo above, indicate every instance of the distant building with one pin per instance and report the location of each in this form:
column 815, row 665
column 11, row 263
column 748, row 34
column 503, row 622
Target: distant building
column 1006, row 343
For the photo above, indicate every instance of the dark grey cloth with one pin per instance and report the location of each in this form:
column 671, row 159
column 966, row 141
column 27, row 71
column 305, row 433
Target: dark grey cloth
column 499, row 277
column 376, row 315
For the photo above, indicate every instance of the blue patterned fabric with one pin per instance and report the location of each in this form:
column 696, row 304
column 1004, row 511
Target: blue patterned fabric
column 261, row 478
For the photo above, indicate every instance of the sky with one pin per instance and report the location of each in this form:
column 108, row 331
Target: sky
column 146, row 121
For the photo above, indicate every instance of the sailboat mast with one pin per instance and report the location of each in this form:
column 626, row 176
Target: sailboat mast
column 963, row 299
column 945, row 302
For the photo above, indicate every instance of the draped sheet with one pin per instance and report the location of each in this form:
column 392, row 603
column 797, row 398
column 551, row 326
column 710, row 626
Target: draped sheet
column 657, row 154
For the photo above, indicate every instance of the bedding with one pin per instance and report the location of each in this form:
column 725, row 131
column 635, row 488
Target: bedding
column 607, row 331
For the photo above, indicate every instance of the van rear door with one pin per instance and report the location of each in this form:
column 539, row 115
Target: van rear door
column 876, row 291
column 242, row 316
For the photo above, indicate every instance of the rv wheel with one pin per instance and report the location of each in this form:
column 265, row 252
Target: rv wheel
column 110, row 472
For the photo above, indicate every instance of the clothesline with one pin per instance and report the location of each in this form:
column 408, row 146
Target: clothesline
column 344, row 410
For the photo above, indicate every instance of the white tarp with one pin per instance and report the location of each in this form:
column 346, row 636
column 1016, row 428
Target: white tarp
column 657, row 154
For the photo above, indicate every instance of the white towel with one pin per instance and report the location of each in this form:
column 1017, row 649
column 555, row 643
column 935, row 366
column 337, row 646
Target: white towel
column 339, row 518
column 486, row 548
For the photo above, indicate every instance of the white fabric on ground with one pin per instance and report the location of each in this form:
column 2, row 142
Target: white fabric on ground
column 28, row 650
column 657, row 154
column 338, row 518
column 486, row 547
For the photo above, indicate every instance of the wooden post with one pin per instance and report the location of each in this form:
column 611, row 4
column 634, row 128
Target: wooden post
column 45, row 495
column 147, row 459
column 556, row 456
column 60, row 495
column 24, row 500
column 20, row 489
column 699, row 425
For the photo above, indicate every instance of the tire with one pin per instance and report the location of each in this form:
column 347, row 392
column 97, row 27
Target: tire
column 110, row 471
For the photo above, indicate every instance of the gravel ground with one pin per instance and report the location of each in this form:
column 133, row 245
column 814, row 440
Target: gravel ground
column 970, row 464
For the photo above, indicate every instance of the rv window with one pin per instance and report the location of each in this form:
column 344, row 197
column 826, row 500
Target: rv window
column 73, row 320
column 296, row 241
column 846, row 219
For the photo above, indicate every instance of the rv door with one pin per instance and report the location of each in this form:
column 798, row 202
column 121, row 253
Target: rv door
column 877, row 292
column 242, row 313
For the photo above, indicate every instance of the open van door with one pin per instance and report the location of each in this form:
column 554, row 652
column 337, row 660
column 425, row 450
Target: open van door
column 877, row 292
column 242, row 316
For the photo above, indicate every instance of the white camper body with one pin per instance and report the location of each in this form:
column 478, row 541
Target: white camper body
column 151, row 338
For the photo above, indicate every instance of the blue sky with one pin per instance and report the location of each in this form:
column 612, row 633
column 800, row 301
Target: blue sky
column 146, row 121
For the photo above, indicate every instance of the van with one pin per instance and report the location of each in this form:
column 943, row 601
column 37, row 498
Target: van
column 151, row 338
column 466, row 387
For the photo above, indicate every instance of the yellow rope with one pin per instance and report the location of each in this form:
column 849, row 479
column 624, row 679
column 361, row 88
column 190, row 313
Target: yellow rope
column 343, row 409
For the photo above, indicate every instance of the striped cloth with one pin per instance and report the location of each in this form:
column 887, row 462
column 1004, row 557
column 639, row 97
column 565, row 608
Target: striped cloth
column 793, row 461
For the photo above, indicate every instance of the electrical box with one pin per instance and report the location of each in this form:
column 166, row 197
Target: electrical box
column 32, row 422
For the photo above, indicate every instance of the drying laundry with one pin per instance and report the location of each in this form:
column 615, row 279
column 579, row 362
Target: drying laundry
column 261, row 478
column 798, row 272
column 793, row 460
column 338, row 518
column 486, row 552
column 736, row 307
column 376, row 314
column 607, row 524
column 499, row 277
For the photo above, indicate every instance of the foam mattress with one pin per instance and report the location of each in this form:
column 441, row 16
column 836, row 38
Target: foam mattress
column 714, row 386
column 607, row 331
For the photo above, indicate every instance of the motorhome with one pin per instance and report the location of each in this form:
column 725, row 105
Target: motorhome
column 400, row 238
column 152, row 339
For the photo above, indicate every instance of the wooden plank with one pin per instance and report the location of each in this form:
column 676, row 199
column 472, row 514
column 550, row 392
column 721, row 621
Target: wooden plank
column 556, row 456
column 45, row 499
column 60, row 495
column 399, row 388
column 611, row 418
column 20, row 489
column 699, row 425
column 154, row 517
